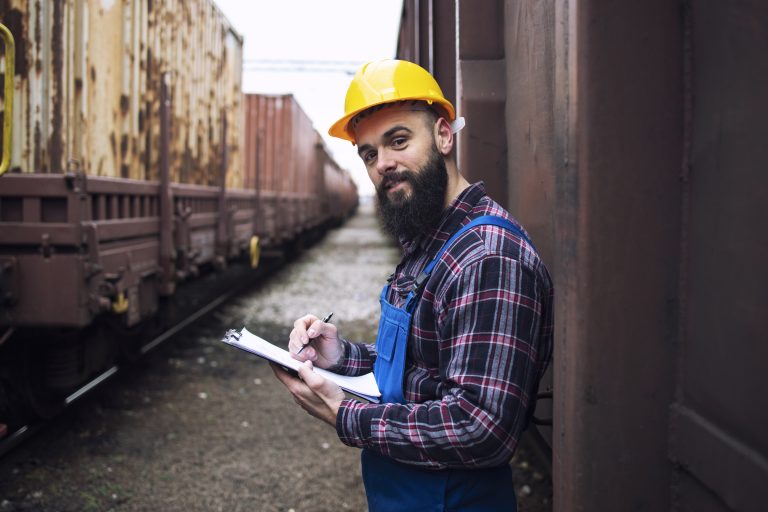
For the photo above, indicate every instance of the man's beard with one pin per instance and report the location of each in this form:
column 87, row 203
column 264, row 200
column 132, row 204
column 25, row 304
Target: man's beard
column 407, row 217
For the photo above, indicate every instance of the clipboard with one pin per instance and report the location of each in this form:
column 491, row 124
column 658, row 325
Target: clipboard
column 363, row 386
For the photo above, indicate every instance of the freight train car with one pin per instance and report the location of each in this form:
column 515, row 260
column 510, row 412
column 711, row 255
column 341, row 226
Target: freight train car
column 127, row 195
column 301, row 190
column 628, row 137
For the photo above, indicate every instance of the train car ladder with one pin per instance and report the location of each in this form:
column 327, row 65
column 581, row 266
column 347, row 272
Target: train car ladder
column 10, row 73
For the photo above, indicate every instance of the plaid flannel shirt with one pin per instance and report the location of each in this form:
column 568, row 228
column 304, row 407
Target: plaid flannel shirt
column 480, row 340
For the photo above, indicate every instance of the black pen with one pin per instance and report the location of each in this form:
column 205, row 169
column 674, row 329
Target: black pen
column 325, row 320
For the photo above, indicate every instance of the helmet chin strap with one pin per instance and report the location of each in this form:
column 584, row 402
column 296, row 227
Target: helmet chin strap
column 458, row 124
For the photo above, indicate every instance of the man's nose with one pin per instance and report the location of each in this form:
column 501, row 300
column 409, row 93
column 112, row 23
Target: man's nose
column 385, row 162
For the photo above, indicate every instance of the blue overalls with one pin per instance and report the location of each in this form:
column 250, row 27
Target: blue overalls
column 393, row 486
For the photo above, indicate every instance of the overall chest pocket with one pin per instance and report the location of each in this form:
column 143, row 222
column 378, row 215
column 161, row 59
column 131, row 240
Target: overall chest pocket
column 391, row 333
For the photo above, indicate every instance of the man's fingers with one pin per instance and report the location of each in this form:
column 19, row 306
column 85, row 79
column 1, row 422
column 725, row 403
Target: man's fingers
column 316, row 383
column 308, row 354
column 304, row 321
column 282, row 375
column 316, row 395
column 307, row 375
column 319, row 328
column 294, row 385
column 300, row 329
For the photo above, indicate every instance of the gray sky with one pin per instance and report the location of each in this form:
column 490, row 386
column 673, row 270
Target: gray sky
column 335, row 35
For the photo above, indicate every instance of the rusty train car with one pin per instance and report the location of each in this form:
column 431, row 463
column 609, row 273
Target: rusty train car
column 299, row 185
column 628, row 137
column 140, row 178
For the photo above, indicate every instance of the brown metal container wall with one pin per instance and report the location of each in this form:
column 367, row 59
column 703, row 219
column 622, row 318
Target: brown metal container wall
column 256, row 155
column 530, row 140
column 282, row 147
column 618, row 109
column 288, row 169
column 251, row 139
column 282, row 159
column 721, row 380
column 267, row 176
column 627, row 136
column 283, row 166
column 87, row 88
column 305, row 168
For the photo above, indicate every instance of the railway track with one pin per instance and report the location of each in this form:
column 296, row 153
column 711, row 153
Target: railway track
column 17, row 435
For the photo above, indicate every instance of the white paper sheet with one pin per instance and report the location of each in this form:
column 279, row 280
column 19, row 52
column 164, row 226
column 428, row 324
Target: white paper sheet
column 363, row 386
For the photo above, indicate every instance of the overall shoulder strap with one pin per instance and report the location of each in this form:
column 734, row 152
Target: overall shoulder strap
column 493, row 220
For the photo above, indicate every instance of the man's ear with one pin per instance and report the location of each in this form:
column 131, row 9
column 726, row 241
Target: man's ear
column 444, row 136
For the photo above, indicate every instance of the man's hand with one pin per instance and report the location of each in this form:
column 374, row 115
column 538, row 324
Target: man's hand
column 326, row 348
column 318, row 396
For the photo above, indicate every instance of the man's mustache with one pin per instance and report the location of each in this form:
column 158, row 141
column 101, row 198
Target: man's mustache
column 395, row 177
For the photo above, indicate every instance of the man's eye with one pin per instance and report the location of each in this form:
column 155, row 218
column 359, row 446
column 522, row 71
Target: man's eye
column 369, row 157
column 398, row 141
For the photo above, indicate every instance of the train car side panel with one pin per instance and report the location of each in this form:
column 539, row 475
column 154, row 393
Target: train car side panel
column 88, row 88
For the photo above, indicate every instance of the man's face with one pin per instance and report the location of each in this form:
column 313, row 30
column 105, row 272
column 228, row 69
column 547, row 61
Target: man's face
column 397, row 146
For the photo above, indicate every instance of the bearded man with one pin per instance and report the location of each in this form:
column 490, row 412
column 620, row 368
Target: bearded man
column 466, row 325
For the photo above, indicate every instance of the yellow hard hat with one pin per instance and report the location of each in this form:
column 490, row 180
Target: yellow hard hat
column 388, row 81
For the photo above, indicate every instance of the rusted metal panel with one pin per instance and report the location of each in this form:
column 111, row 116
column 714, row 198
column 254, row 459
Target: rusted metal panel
column 92, row 244
column 98, row 239
column 407, row 45
column 286, row 164
column 529, row 81
column 88, row 88
column 721, row 370
column 427, row 36
column 340, row 196
column 443, row 55
column 733, row 470
column 616, row 272
column 481, row 93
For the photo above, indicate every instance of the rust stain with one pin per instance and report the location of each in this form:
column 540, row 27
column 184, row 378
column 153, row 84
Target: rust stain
column 38, row 37
column 14, row 20
column 37, row 157
column 200, row 95
column 123, row 146
column 55, row 145
column 187, row 163
column 38, row 24
column 124, row 104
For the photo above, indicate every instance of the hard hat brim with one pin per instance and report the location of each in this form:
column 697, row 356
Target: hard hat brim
column 340, row 129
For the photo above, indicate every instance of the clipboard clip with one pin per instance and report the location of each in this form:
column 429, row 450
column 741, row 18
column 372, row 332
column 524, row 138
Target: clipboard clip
column 231, row 336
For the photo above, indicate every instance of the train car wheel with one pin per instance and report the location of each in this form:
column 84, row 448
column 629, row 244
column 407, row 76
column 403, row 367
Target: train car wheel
column 32, row 381
column 130, row 340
